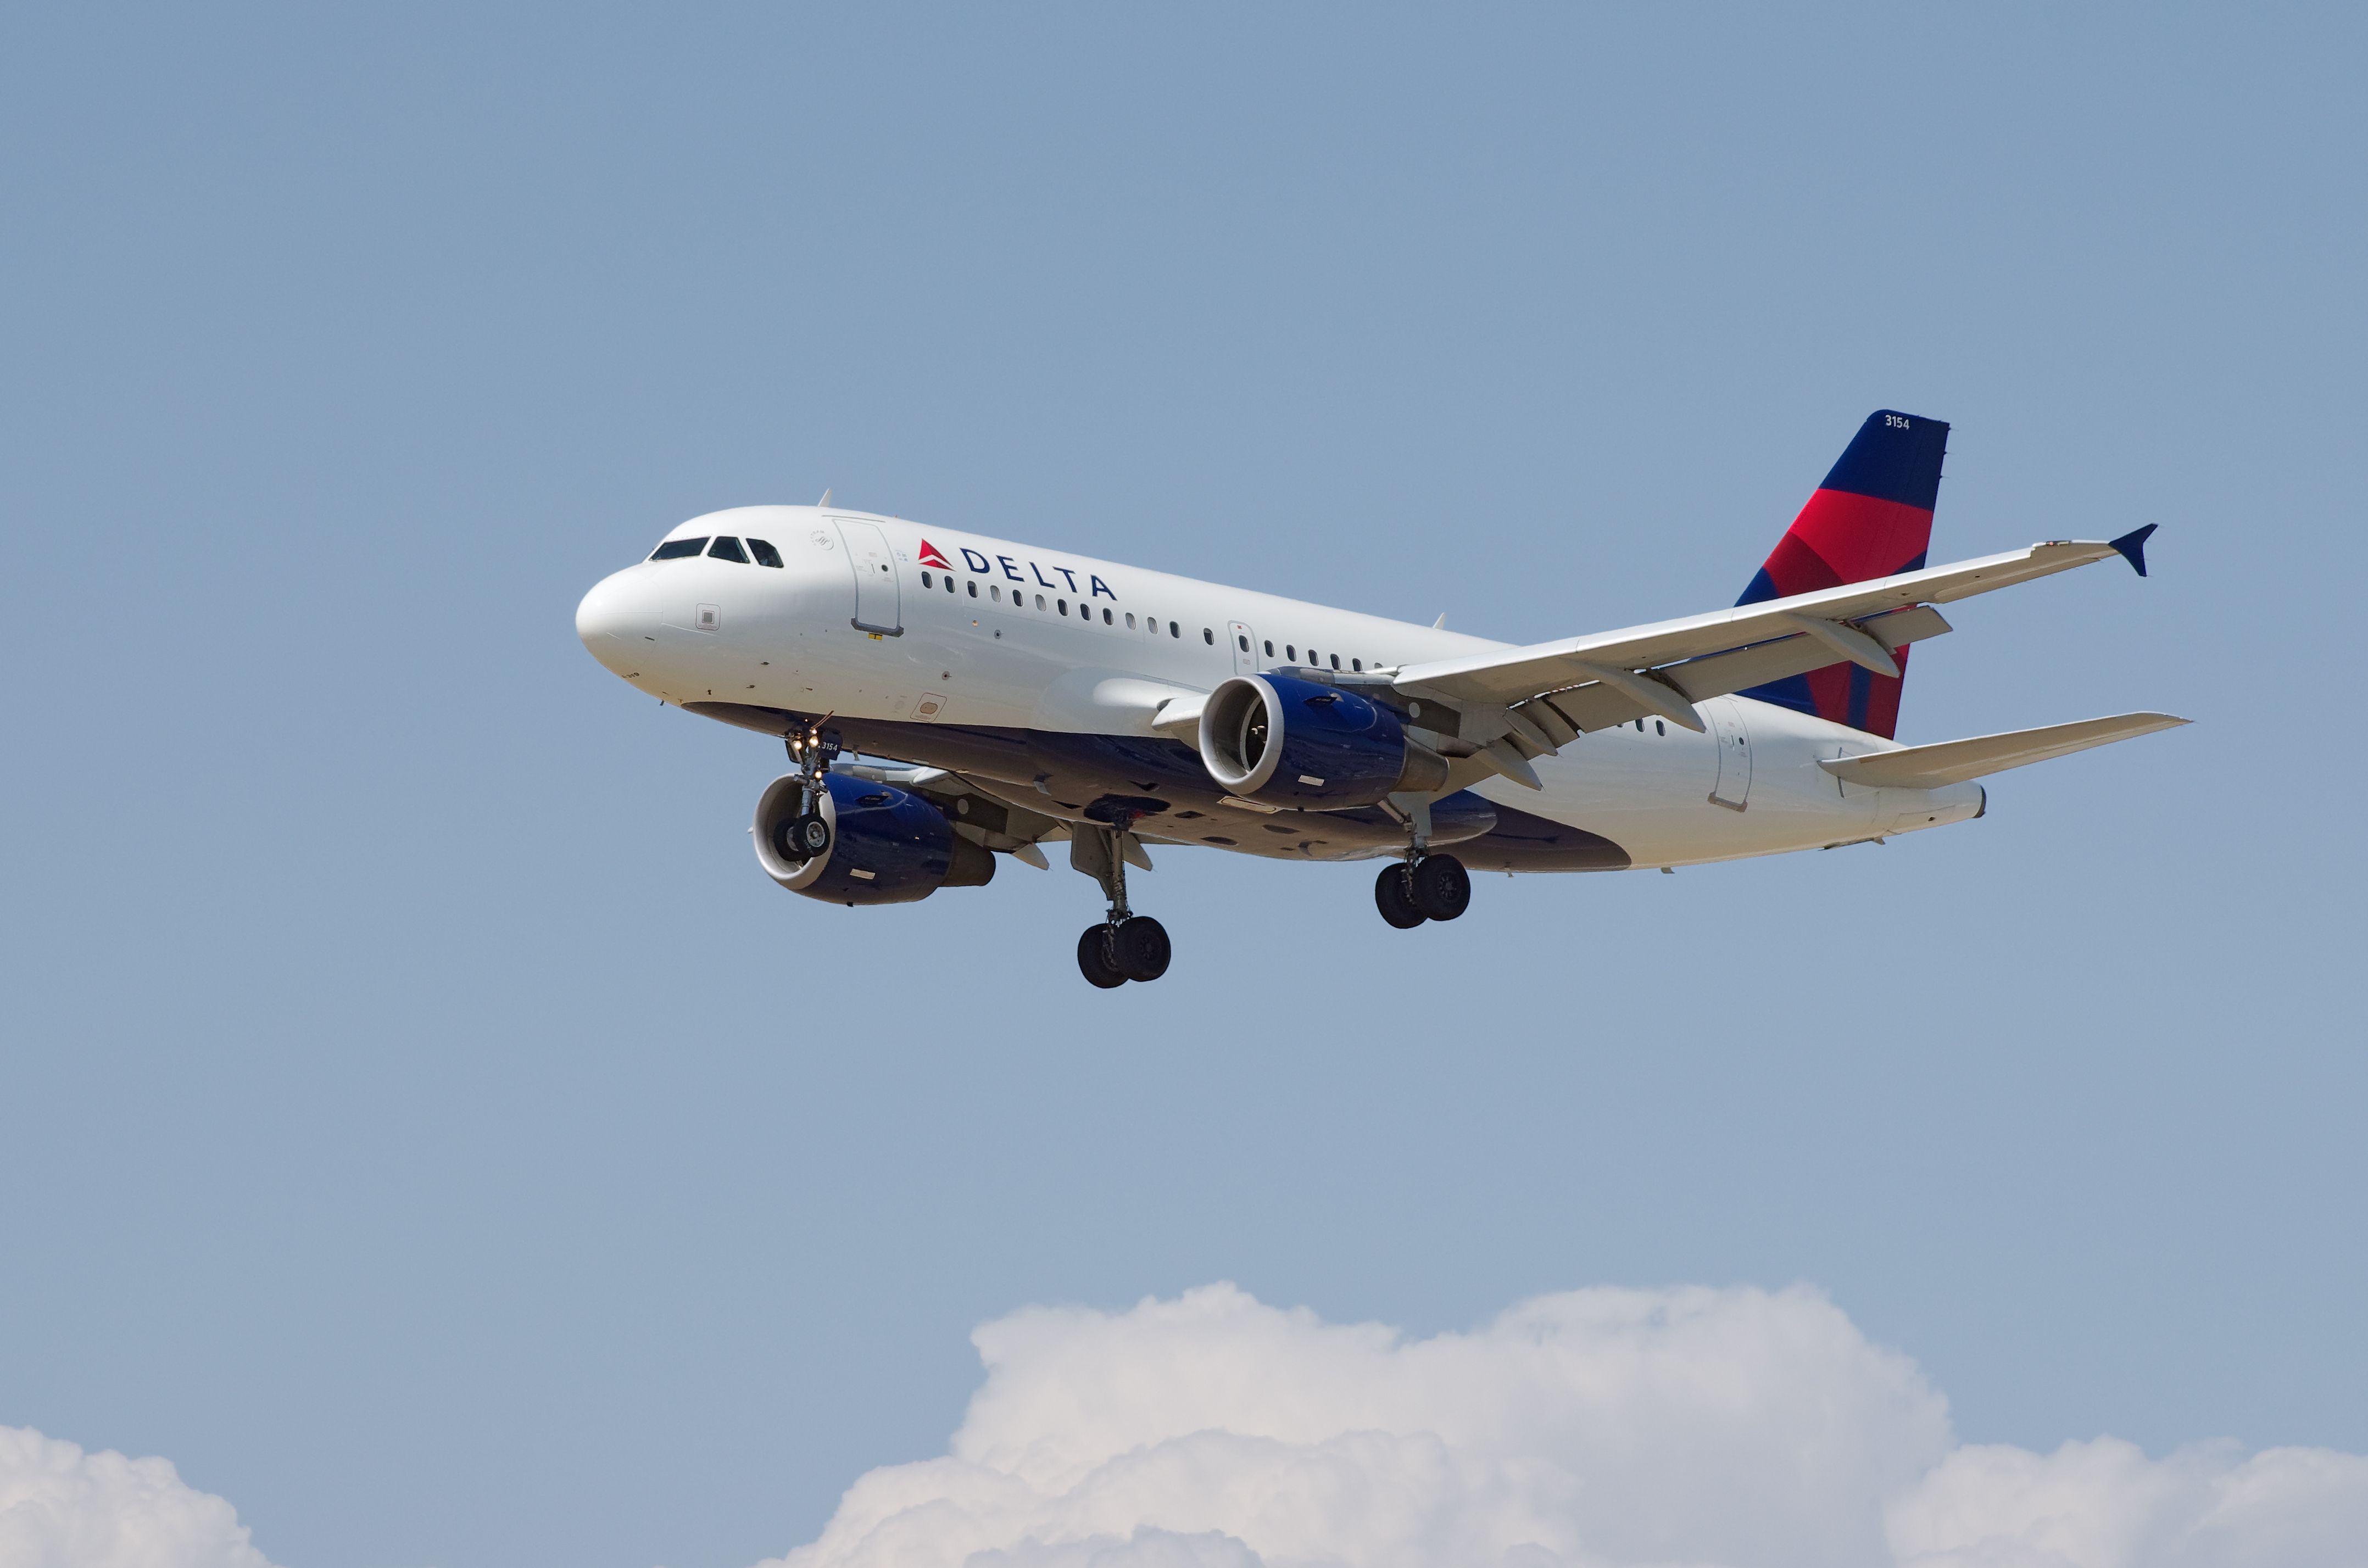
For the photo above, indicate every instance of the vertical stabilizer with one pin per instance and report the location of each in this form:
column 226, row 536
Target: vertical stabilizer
column 1872, row 517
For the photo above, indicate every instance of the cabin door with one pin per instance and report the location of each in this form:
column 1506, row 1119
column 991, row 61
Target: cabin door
column 877, row 608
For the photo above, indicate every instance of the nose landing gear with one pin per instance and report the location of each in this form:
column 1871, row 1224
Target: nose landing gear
column 1125, row 946
column 807, row 834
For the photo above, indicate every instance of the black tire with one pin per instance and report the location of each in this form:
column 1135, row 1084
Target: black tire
column 1442, row 888
column 812, row 834
column 1140, row 949
column 1394, row 897
column 785, row 839
column 1094, row 959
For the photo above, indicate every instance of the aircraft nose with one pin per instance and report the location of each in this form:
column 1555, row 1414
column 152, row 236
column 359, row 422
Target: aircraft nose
column 610, row 618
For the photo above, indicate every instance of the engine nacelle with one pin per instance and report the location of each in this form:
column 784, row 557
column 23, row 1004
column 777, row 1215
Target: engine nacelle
column 886, row 845
column 1282, row 740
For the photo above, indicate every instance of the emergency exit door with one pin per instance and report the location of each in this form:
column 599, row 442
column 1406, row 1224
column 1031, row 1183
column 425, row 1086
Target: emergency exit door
column 1733, row 790
column 1245, row 653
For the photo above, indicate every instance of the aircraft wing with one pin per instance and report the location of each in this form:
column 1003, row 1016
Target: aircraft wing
column 1537, row 699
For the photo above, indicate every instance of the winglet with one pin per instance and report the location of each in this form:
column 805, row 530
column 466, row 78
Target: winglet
column 2133, row 546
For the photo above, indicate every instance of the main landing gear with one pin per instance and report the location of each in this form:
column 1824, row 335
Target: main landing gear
column 1122, row 948
column 1423, row 886
column 1432, row 887
column 1125, row 946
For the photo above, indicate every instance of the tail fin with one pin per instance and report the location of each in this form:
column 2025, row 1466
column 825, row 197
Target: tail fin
column 1872, row 517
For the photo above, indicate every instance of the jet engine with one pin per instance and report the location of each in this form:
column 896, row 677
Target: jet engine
column 1285, row 741
column 866, row 843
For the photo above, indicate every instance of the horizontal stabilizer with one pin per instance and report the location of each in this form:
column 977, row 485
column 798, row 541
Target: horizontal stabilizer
column 1953, row 762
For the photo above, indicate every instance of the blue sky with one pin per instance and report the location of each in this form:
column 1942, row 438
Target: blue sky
column 429, row 1128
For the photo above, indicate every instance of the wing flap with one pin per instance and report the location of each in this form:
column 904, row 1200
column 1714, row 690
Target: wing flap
column 1954, row 762
column 1601, row 705
column 1718, row 674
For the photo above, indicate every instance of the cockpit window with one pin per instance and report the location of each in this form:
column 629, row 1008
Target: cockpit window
column 675, row 549
column 765, row 553
column 726, row 548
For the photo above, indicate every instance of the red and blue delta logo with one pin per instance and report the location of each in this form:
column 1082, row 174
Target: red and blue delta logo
column 931, row 555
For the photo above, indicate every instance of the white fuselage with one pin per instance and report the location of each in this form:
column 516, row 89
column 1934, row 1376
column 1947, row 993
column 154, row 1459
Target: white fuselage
column 861, row 621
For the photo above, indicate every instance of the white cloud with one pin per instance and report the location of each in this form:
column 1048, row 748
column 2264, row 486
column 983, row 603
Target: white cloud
column 1596, row 1430
column 60, row 1508
column 1600, row 1428
column 2105, row 1504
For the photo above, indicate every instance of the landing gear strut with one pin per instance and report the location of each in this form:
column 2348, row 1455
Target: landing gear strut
column 1125, row 946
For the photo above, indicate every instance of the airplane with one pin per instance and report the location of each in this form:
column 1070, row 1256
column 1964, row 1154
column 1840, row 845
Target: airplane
column 1030, row 696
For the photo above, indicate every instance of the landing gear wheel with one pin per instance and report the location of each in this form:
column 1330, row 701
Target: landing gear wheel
column 1094, row 959
column 1394, row 893
column 1442, row 888
column 801, row 838
column 1139, row 947
column 812, row 834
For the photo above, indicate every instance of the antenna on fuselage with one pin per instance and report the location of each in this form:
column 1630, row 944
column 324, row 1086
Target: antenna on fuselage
column 825, row 499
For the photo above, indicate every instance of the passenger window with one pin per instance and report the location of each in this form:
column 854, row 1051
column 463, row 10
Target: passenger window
column 765, row 553
column 1130, row 620
column 973, row 587
column 1244, row 641
column 925, row 581
column 994, row 592
column 1209, row 637
column 1063, row 604
column 1290, row 652
column 675, row 549
column 726, row 548
column 1336, row 661
column 1659, row 728
column 1107, row 620
column 1040, row 601
column 1269, row 647
column 1640, row 726
column 1356, row 664
column 1174, row 629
